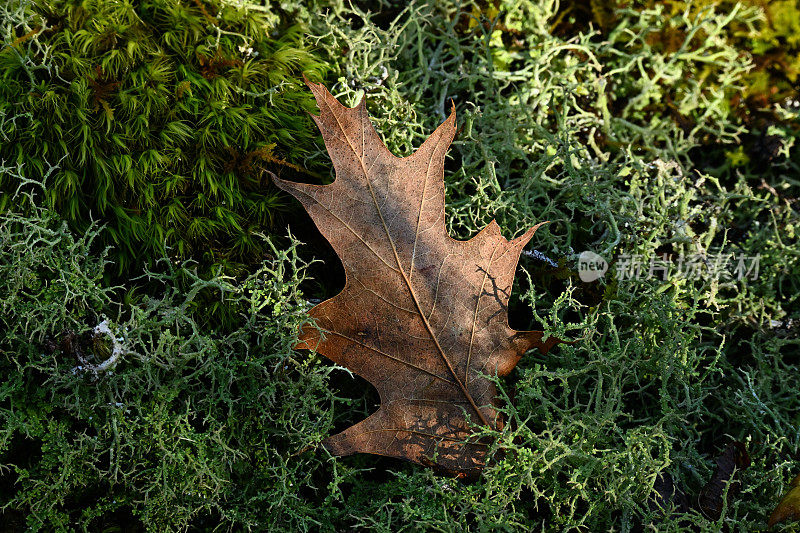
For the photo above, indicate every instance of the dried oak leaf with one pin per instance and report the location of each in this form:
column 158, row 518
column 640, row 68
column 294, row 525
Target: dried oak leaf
column 423, row 317
column 789, row 506
column 732, row 460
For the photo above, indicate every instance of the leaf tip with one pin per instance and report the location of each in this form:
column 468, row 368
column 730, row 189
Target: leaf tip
column 525, row 340
column 452, row 115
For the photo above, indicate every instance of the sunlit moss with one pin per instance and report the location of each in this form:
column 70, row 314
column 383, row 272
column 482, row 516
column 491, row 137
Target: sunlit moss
column 163, row 115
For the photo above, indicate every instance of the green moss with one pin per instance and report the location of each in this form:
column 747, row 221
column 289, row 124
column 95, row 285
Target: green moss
column 164, row 117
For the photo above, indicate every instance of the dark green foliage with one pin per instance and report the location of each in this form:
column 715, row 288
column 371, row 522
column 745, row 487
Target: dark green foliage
column 631, row 137
column 163, row 119
column 187, row 426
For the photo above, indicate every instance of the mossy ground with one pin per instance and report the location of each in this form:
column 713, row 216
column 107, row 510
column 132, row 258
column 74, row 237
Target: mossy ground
column 638, row 129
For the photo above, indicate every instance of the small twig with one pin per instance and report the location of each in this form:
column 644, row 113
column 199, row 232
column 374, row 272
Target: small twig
column 770, row 188
column 208, row 17
column 22, row 39
column 298, row 168
column 302, row 450
column 536, row 254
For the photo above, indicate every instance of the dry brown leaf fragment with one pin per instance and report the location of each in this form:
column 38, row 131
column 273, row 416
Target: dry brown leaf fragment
column 789, row 506
column 423, row 317
column 733, row 459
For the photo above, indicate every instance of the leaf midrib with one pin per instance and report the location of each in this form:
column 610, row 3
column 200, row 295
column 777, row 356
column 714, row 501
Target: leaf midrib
column 402, row 272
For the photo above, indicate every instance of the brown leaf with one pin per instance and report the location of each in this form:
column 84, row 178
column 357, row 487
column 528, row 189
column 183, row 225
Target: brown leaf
column 734, row 458
column 789, row 506
column 666, row 494
column 422, row 316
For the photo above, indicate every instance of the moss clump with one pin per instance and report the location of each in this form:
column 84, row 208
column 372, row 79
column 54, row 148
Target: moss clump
column 163, row 116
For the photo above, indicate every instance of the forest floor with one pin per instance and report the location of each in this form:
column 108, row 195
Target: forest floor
column 153, row 279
